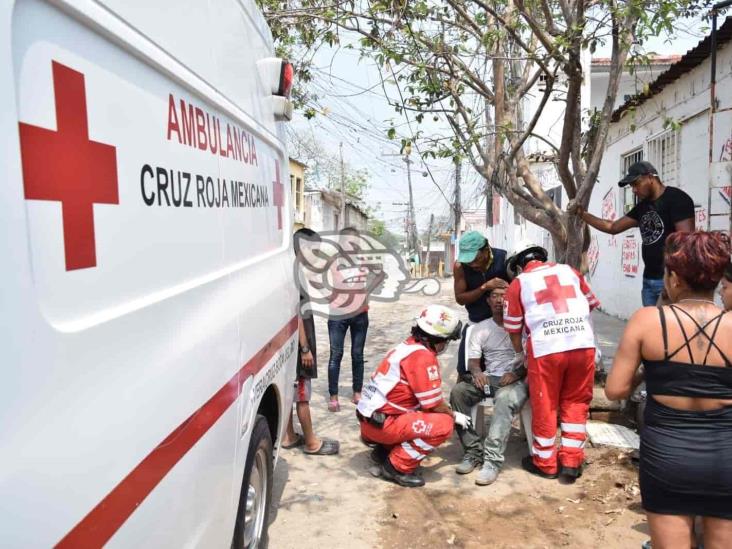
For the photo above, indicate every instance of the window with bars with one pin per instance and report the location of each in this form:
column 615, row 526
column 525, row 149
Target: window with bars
column 663, row 152
column 626, row 161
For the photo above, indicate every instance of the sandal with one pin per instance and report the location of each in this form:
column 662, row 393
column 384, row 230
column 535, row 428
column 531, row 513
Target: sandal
column 299, row 441
column 327, row 448
column 334, row 406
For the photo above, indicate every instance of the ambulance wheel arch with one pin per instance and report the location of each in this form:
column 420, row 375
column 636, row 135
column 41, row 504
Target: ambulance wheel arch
column 252, row 517
column 269, row 409
column 255, row 495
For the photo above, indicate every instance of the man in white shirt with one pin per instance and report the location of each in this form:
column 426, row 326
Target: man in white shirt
column 501, row 374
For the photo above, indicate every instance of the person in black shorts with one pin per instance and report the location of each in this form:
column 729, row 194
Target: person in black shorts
column 686, row 439
column 307, row 369
column 661, row 211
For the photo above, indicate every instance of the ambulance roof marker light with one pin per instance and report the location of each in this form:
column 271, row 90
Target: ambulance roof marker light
column 287, row 76
column 277, row 76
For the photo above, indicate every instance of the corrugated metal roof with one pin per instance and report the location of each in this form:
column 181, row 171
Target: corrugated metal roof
column 691, row 59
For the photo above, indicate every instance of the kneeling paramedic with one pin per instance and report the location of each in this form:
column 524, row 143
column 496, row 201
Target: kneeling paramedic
column 402, row 408
column 552, row 302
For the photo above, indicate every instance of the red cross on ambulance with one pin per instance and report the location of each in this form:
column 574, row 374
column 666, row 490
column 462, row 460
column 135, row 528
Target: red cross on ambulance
column 66, row 166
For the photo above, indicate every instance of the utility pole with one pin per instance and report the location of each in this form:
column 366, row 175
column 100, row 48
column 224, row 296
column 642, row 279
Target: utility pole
column 429, row 242
column 406, row 221
column 414, row 243
column 411, row 224
column 457, row 206
column 342, row 222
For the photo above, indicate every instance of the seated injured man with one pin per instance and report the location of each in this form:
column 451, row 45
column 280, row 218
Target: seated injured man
column 501, row 375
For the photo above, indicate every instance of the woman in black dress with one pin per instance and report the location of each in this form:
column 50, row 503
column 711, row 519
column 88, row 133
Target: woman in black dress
column 686, row 349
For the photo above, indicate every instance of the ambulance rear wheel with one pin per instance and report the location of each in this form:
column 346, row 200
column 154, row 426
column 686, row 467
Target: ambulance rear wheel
column 256, row 492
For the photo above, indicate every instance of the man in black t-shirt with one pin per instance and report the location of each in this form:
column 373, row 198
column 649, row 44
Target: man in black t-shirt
column 661, row 211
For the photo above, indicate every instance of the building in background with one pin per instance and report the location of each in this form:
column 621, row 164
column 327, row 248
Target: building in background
column 322, row 211
column 297, row 185
column 631, row 84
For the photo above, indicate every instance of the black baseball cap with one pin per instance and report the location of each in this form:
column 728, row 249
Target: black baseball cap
column 637, row 170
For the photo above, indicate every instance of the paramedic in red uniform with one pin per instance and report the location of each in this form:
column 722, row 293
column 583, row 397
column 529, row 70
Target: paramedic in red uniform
column 551, row 303
column 402, row 408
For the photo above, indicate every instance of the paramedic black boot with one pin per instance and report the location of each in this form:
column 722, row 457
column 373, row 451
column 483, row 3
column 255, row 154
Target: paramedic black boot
column 379, row 454
column 570, row 474
column 410, row 480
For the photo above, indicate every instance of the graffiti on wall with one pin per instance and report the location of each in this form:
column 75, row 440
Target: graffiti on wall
column 548, row 178
column 700, row 217
column 726, row 193
column 725, row 155
column 593, row 255
column 608, row 206
column 630, row 256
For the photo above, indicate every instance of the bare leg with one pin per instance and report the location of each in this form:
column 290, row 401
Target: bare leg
column 717, row 533
column 290, row 434
column 671, row 531
column 312, row 443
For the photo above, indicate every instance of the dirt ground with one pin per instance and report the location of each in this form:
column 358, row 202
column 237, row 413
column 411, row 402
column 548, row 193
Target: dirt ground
column 601, row 509
column 334, row 501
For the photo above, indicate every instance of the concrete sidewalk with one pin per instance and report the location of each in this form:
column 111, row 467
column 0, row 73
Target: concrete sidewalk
column 608, row 330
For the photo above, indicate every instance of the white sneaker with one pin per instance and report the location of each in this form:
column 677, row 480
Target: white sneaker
column 466, row 466
column 487, row 475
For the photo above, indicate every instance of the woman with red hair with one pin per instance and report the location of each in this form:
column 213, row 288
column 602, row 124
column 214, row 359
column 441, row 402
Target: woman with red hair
column 686, row 349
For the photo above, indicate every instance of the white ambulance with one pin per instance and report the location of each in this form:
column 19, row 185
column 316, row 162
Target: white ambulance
column 149, row 331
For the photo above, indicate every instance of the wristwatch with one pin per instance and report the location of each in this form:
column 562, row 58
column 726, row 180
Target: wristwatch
column 305, row 349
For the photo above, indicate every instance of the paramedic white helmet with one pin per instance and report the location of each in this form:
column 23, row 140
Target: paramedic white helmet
column 440, row 322
column 523, row 252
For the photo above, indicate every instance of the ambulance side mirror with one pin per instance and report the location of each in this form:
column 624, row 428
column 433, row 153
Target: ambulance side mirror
column 278, row 75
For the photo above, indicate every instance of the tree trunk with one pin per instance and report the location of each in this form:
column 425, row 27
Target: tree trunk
column 572, row 249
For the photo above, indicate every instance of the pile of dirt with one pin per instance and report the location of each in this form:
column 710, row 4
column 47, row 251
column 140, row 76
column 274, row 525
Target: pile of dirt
column 601, row 508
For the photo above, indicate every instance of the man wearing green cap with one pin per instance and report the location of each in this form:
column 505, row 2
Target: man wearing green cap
column 479, row 270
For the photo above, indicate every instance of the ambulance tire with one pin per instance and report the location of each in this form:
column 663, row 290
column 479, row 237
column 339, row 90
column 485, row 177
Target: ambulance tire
column 252, row 519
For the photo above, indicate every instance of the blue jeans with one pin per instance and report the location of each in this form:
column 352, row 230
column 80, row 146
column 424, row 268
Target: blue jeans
column 652, row 288
column 359, row 325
